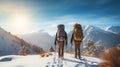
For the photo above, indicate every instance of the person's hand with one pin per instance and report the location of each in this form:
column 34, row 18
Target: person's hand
column 55, row 43
column 66, row 43
column 71, row 44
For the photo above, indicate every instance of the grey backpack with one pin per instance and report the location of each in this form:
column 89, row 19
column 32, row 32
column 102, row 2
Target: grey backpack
column 61, row 34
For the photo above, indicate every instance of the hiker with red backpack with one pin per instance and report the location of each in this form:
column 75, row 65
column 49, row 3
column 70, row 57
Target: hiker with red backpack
column 77, row 37
column 61, row 39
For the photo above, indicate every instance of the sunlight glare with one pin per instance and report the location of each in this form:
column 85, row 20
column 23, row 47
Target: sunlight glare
column 20, row 23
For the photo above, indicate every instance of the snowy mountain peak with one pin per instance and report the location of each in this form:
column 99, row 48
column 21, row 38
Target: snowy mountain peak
column 113, row 29
column 90, row 27
column 106, row 38
column 107, row 28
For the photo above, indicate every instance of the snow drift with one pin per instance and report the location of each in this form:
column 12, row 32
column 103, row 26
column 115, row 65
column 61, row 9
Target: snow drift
column 51, row 61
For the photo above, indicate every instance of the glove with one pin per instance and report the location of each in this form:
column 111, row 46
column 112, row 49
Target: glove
column 71, row 44
column 55, row 43
column 66, row 43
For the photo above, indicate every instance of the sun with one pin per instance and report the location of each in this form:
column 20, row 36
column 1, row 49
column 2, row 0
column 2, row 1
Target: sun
column 18, row 18
column 20, row 23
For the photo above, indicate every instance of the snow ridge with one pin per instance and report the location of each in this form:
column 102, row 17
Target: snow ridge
column 37, row 61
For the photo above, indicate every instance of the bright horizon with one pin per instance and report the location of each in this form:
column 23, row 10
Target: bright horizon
column 27, row 16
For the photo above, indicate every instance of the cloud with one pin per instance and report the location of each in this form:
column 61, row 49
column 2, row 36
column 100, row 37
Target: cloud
column 47, row 15
column 71, row 23
column 54, row 25
column 90, row 19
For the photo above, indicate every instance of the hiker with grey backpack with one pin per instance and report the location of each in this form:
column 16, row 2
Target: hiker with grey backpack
column 61, row 40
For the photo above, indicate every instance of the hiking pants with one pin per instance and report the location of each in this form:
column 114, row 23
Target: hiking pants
column 77, row 49
column 61, row 49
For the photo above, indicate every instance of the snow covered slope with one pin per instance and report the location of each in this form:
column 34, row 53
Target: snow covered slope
column 51, row 61
column 10, row 44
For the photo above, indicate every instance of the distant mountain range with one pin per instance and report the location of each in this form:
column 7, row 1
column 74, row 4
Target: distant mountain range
column 113, row 29
column 41, row 38
column 11, row 44
column 108, row 37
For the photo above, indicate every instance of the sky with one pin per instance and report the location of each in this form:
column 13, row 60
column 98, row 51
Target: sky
column 27, row 16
